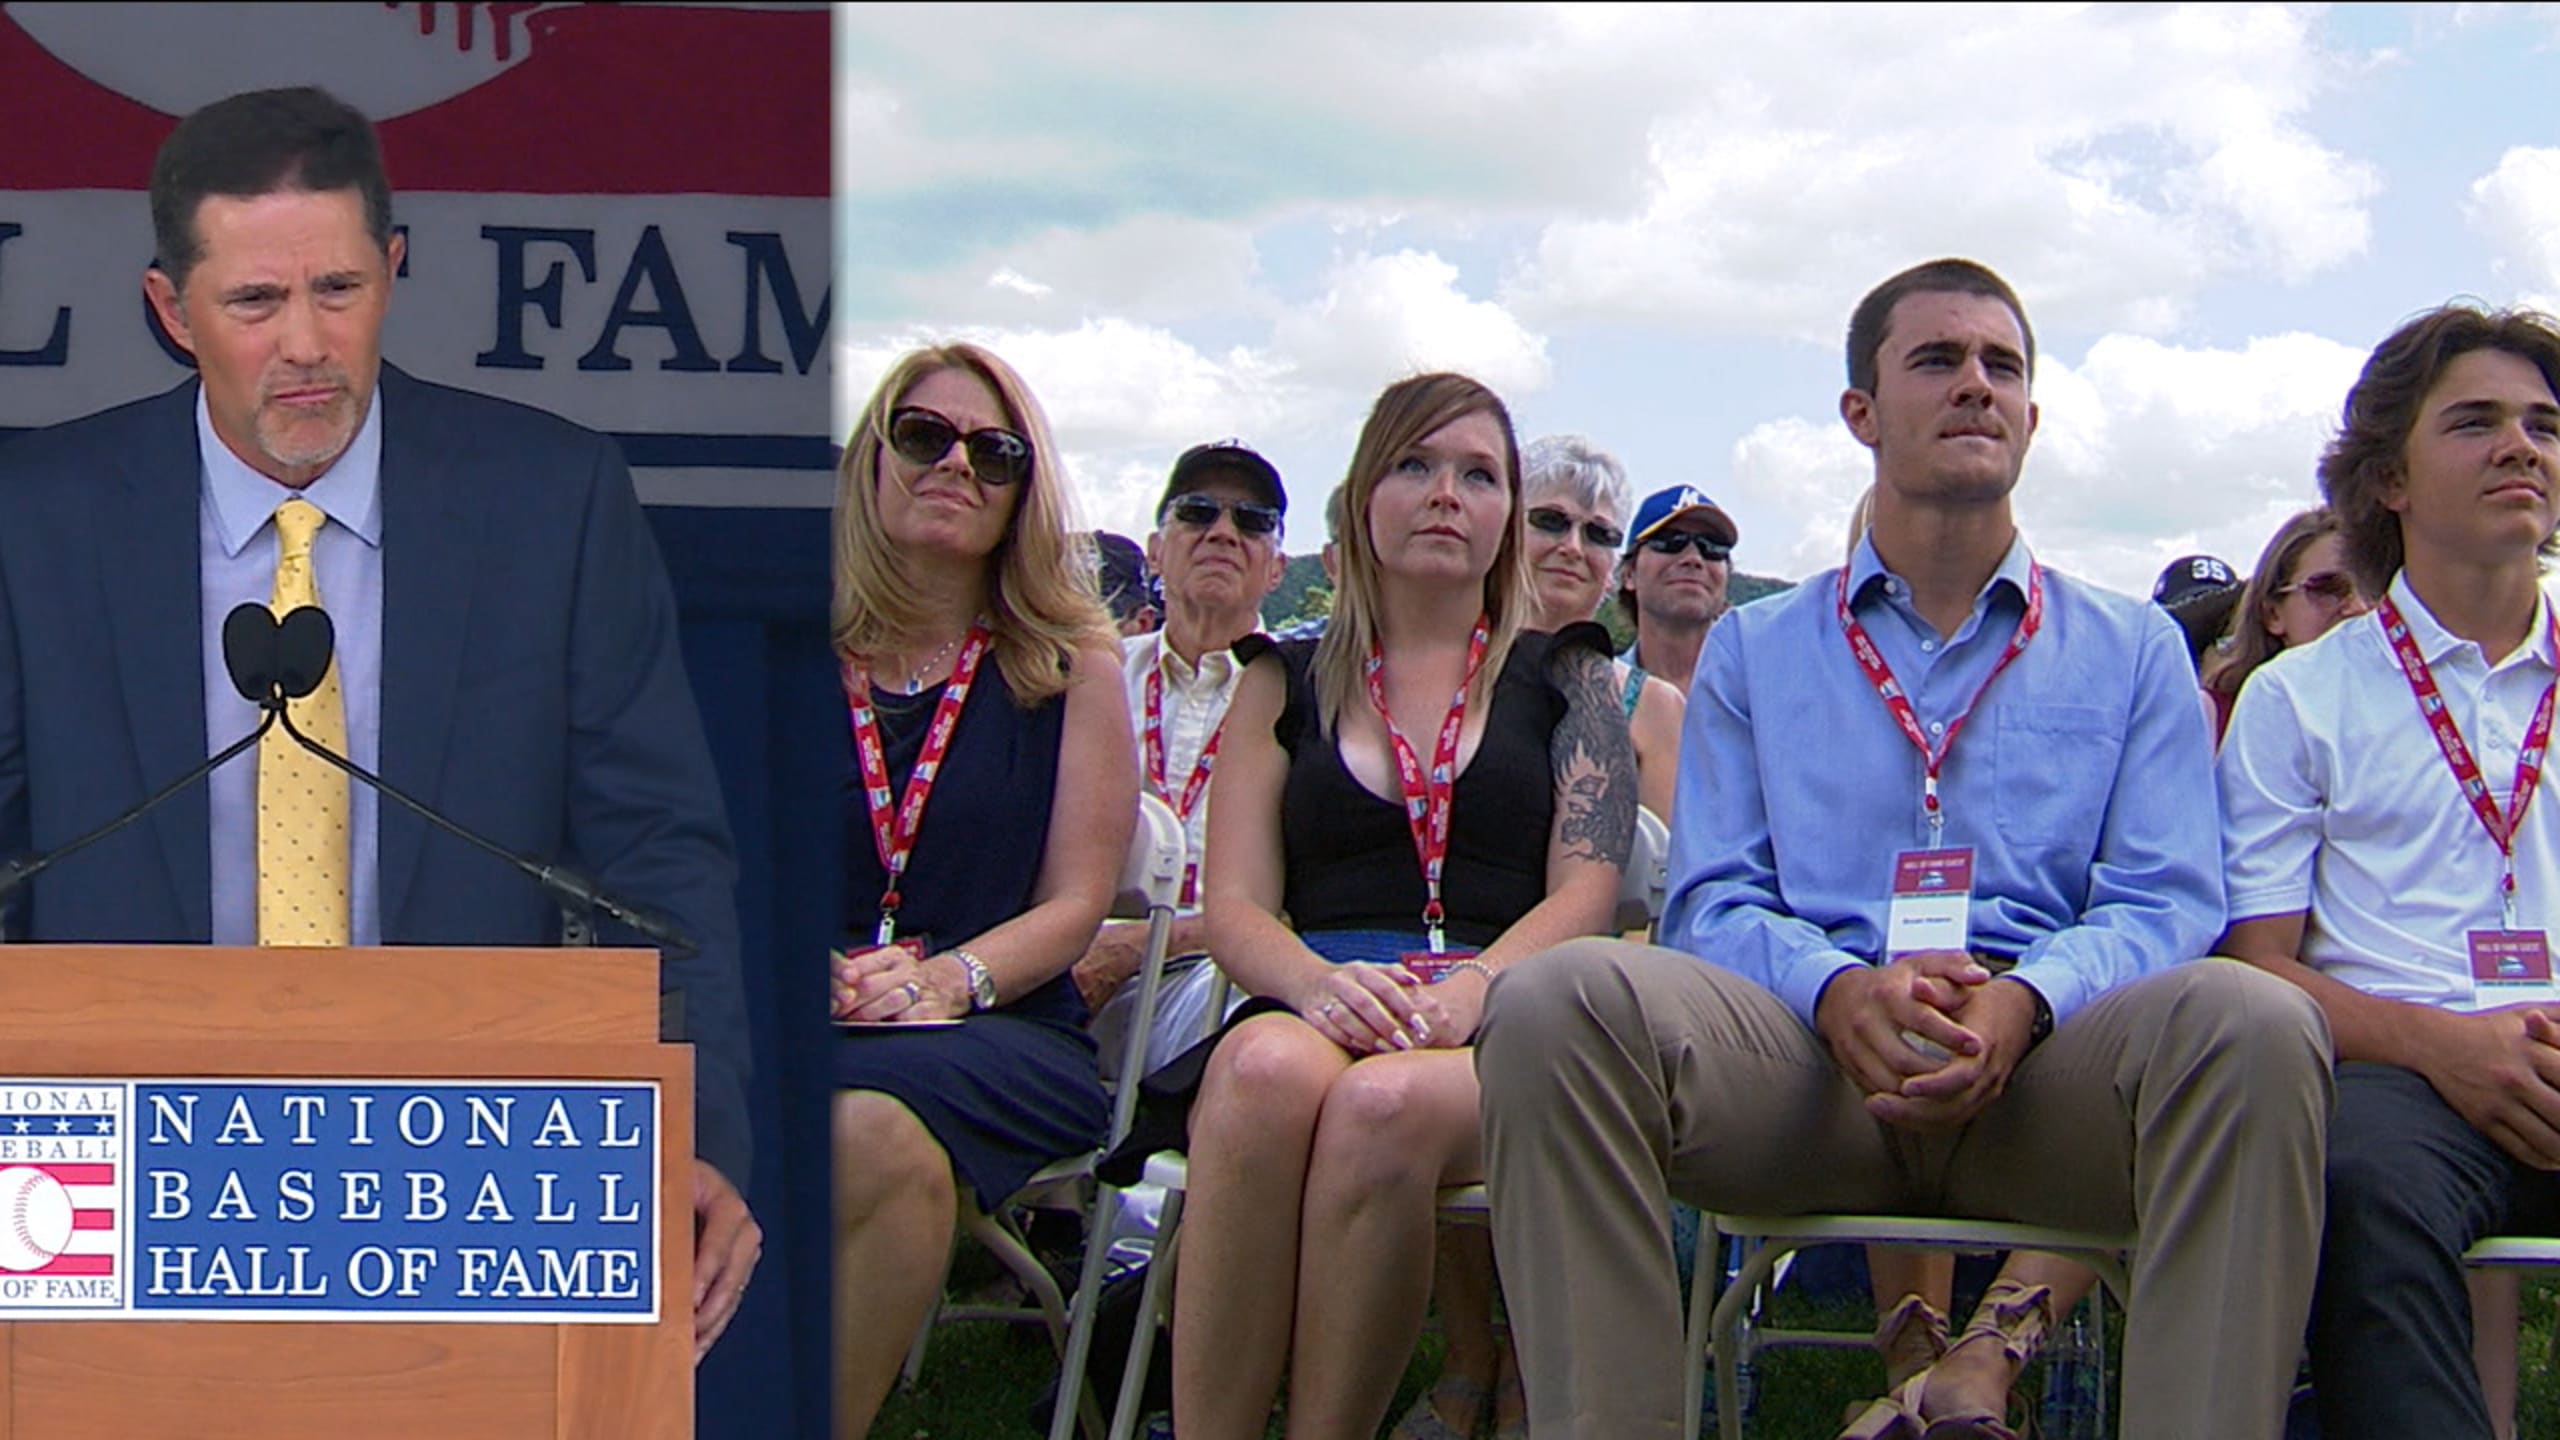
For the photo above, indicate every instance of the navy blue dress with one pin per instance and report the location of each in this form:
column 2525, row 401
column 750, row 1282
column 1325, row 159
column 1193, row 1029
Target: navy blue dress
column 1012, row 1089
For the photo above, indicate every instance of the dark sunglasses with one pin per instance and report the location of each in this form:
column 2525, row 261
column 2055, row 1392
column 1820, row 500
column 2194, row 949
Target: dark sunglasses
column 2329, row 585
column 921, row 437
column 1672, row 542
column 1202, row 512
column 1548, row 520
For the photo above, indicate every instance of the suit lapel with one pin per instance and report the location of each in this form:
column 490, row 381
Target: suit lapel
column 150, row 575
column 431, row 543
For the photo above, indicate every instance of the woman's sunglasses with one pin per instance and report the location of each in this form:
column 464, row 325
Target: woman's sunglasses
column 921, row 437
column 1548, row 520
column 1672, row 542
column 1201, row 512
column 2328, row 586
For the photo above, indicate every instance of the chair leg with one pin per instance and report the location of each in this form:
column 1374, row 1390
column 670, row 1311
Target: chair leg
column 915, row 1352
column 1700, row 1333
column 1726, row 1330
column 1153, row 1300
column 1006, row 1243
column 1072, row 1398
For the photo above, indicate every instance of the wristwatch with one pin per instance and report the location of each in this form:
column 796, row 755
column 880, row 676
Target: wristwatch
column 2042, row 1025
column 982, row 981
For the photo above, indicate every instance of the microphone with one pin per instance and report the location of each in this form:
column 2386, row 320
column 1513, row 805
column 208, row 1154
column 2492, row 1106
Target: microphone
column 304, row 642
column 249, row 653
column 249, row 650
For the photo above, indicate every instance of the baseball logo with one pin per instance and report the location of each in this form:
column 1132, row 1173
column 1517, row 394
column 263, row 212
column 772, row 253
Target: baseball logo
column 388, row 60
column 35, row 1218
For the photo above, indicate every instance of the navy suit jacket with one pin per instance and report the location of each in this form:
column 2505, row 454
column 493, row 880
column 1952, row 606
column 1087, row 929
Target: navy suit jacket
column 532, row 689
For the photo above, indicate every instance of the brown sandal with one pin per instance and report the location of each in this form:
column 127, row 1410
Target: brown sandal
column 2018, row 1317
column 1910, row 1338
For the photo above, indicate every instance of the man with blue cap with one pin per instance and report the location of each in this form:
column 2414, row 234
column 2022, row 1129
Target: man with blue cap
column 1672, row 580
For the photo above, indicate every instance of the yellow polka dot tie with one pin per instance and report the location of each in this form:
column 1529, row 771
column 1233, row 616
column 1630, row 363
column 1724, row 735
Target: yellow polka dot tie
column 302, row 799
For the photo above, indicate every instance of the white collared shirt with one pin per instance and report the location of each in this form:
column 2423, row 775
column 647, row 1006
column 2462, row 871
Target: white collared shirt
column 2336, row 800
column 1195, row 701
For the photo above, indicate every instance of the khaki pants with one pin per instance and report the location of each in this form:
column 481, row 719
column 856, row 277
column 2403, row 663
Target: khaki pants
column 2190, row 1107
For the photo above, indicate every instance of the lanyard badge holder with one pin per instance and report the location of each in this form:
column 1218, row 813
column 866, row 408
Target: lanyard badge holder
column 1193, row 788
column 1428, row 798
column 1930, row 904
column 894, row 826
column 2510, row 964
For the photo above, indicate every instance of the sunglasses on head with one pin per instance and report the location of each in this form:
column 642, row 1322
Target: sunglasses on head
column 921, row 437
column 1202, row 512
column 1672, row 542
column 1548, row 520
column 2329, row 585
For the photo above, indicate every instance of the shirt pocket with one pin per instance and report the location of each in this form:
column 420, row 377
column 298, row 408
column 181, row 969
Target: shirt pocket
column 2055, row 766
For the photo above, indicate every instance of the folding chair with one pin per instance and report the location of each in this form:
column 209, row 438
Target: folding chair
column 2518, row 1252
column 1776, row 1237
column 1641, row 887
column 1150, row 886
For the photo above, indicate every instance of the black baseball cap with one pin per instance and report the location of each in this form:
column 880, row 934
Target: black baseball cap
column 1229, row 457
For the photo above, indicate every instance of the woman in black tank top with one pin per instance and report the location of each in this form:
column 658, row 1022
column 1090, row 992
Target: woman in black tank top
column 1327, row 1122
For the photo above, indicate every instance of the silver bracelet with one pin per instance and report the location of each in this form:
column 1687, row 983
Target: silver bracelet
column 1477, row 966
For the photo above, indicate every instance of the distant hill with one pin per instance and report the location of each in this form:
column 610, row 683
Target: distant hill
column 1305, row 594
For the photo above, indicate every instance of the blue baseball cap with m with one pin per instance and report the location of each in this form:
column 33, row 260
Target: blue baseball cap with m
column 1664, row 506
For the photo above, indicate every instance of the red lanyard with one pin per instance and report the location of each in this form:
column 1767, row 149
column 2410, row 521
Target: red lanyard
column 893, row 830
column 2466, row 771
column 1933, row 758
column 1192, row 788
column 1428, row 795
column 1189, row 800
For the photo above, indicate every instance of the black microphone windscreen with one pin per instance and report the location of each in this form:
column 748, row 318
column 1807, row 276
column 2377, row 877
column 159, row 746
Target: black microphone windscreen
column 304, row 642
column 249, row 649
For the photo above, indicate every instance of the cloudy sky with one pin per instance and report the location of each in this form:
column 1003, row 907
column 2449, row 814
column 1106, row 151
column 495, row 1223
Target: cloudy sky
column 1649, row 224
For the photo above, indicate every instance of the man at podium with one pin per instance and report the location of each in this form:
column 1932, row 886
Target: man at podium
column 505, row 635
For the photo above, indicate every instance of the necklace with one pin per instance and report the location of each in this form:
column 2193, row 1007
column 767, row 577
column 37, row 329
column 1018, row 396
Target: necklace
column 916, row 673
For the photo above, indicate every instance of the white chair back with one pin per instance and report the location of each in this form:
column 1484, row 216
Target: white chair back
column 1642, row 884
column 1151, row 877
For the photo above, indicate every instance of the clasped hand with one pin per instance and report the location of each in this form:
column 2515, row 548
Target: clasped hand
column 1876, row 1019
column 1372, row 1009
column 889, row 982
column 2500, row 1070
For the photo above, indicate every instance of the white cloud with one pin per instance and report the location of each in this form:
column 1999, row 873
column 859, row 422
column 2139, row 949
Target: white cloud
column 2516, row 208
column 1154, row 268
column 1383, row 316
column 2110, row 162
column 2145, row 452
column 1123, row 395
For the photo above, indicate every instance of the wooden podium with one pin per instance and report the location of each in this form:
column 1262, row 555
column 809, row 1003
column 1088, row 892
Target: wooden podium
column 105, row 1012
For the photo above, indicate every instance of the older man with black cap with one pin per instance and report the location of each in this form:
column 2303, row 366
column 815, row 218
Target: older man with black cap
column 1672, row 581
column 1216, row 552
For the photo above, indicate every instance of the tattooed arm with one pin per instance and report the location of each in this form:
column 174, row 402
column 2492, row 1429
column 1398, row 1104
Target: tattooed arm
column 1594, row 764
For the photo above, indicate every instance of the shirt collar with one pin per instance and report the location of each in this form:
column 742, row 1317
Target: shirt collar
column 2435, row 642
column 1866, row 568
column 243, row 501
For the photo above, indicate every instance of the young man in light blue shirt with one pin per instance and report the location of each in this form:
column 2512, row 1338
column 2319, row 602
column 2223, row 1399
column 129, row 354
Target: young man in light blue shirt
column 1946, row 838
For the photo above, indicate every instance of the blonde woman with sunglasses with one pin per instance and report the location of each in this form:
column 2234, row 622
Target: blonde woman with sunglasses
column 991, row 787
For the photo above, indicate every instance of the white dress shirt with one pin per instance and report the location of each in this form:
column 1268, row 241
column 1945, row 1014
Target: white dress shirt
column 2336, row 800
column 1195, row 704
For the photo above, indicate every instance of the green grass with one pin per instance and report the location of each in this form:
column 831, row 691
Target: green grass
column 980, row 1380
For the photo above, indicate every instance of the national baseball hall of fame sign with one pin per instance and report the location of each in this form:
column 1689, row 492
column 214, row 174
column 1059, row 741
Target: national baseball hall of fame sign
column 533, row 1202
